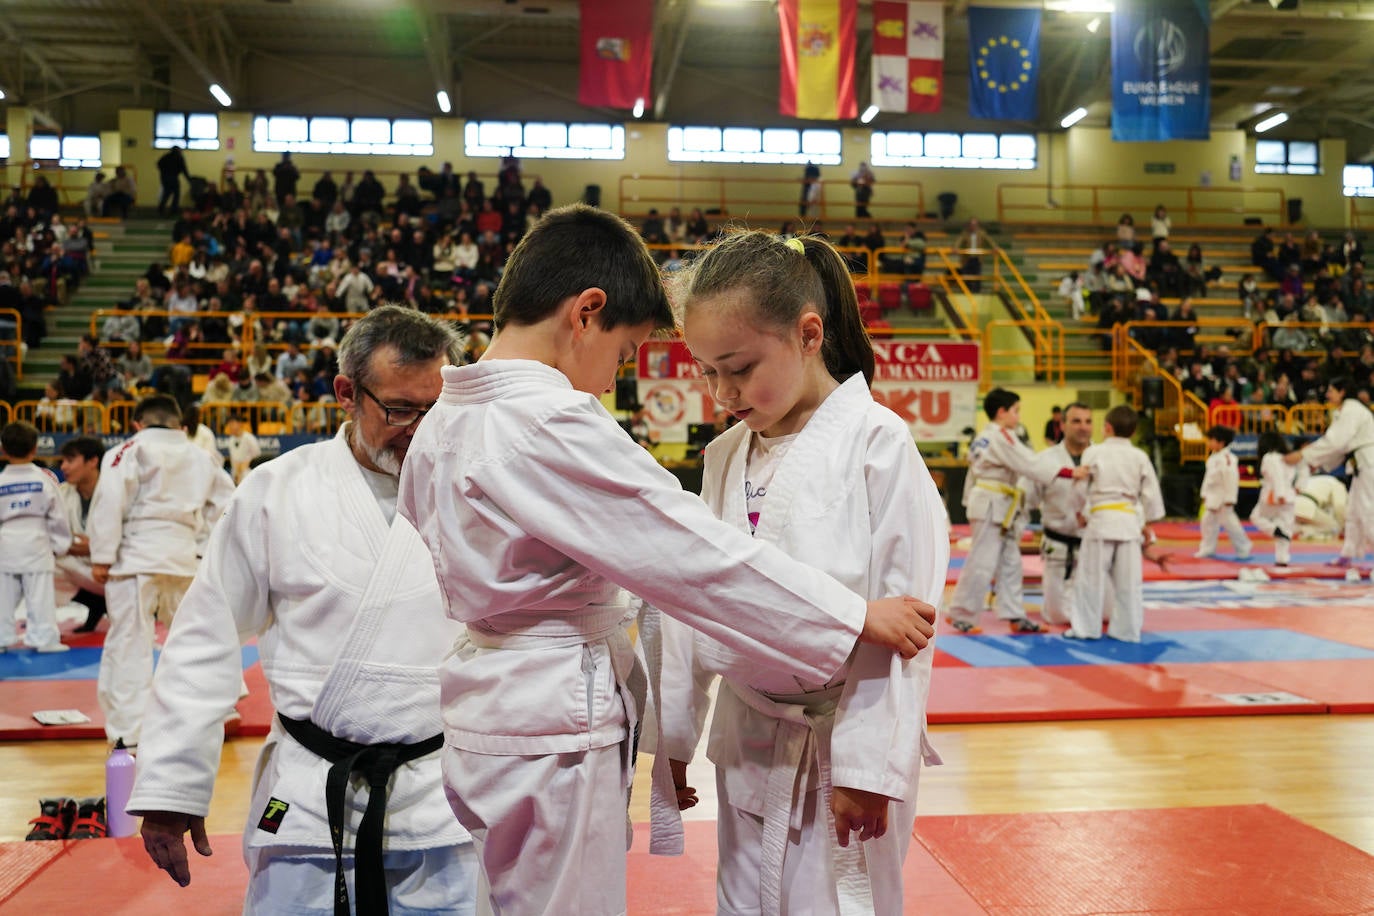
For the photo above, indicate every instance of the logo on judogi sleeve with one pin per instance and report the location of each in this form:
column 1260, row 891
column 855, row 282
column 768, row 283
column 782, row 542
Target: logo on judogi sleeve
column 272, row 815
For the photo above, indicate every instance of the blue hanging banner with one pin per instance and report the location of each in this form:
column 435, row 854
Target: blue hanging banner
column 1004, row 63
column 1160, row 60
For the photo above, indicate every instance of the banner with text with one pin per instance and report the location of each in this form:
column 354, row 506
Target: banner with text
column 931, row 386
column 1160, row 60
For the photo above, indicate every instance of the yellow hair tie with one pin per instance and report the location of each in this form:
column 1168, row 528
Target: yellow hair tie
column 796, row 245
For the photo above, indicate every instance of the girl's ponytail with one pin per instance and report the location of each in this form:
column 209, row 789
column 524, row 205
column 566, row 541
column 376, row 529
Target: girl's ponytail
column 847, row 347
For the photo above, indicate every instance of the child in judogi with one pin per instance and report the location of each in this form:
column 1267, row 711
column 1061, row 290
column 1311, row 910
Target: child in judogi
column 1123, row 499
column 540, row 514
column 1276, row 512
column 818, row 468
column 995, row 503
column 33, row 529
column 1220, row 490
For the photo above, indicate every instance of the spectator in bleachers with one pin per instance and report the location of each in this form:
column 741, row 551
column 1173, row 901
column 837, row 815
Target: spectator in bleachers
column 123, row 193
column 337, row 222
column 122, row 325
column 1291, row 284
column 229, row 365
column 1125, row 231
column 219, row 389
column 651, row 229
column 1198, row 383
column 96, row 363
column 474, row 192
column 171, row 166
column 1160, row 224
column 291, row 361
column 698, row 229
column 368, row 197
column 466, row 255
column 1289, row 252
column 1312, row 253
column 96, row 193
column 1248, row 292
column 285, row 177
column 1132, row 264
column 1195, row 273
column 1165, row 270
column 1351, row 251
column 135, row 368
column 914, row 253
column 1071, row 292
column 862, row 181
column 1264, row 254
column 407, row 198
column 1114, row 314
column 268, row 389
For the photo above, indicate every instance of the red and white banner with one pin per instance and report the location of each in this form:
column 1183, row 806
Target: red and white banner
column 617, row 53
column 817, row 53
column 933, row 386
column 908, row 56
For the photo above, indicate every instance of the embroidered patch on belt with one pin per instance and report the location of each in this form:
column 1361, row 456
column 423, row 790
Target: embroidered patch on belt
column 272, row 815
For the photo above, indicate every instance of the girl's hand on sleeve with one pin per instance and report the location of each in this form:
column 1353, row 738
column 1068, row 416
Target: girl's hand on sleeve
column 686, row 795
column 857, row 810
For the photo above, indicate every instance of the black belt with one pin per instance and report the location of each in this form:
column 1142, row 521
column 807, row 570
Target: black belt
column 376, row 762
column 1073, row 543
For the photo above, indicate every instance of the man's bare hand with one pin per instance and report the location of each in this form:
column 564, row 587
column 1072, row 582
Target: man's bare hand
column 164, row 840
column 904, row 625
column 100, row 572
column 857, row 810
column 81, row 546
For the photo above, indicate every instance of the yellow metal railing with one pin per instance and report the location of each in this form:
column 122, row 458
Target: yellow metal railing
column 1102, row 204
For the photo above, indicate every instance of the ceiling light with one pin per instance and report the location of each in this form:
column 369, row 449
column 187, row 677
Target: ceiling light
column 1095, row 24
column 869, row 114
column 1267, row 123
column 1080, row 6
column 2, row 93
column 638, row 111
column 444, row 104
column 1074, row 117
column 220, row 95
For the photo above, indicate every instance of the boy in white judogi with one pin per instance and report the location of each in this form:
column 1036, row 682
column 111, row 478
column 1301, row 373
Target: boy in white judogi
column 157, row 494
column 1062, row 503
column 1276, row 512
column 1220, row 490
column 537, row 509
column 995, row 506
column 1124, row 493
column 33, row 527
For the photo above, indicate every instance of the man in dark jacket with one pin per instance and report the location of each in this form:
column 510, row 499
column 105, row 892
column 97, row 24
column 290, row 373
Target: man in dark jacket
column 170, row 168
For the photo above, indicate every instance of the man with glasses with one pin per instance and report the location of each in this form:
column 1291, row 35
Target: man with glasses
column 348, row 803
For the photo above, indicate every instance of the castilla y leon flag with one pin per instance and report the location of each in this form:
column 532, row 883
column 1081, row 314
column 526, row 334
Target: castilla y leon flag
column 908, row 55
column 818, row 59
column 617, row 53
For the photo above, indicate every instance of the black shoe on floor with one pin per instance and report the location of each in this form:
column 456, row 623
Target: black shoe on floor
column 55, row 819
column 90, row 820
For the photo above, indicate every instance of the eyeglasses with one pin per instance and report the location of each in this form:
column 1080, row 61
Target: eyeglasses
column 397, row 416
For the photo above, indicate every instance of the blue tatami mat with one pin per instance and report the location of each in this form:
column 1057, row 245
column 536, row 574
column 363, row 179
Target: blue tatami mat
column 81, row 664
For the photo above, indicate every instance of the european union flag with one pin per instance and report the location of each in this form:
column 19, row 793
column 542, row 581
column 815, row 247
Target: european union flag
column 1004, row 63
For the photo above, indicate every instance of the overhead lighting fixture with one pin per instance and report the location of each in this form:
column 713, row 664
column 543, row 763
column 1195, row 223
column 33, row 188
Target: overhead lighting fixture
column 1267, row 123
column 220, row 95
column 1095, row 24
column 1073, row 117
column 444, row 104
column 2, row 93
column 869, row 114
column 638, row 111
column 1080, row 6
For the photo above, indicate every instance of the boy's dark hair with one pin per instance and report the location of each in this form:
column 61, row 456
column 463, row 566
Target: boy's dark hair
column 19, row 439
column 576, row 248
column 158, row 410
column 783, row 283
column 1341, row 384
column 999, row 399
column 1223, row 434
column 87, row 447
column 1123, row 421
column 1271, row 441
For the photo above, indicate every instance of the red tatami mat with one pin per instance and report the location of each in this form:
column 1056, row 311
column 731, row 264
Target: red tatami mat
column 1241, row 860
column 1067, row 692
column 19, row 699
column 1234, row 860
column 1342, row 684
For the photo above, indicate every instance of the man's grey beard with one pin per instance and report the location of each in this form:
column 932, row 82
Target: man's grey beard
column 384, row 459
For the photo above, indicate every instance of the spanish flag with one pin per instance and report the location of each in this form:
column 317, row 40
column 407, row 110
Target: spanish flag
column 818, row 59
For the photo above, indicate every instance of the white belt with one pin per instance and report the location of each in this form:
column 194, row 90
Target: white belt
column 803, row 730
column 559, row 629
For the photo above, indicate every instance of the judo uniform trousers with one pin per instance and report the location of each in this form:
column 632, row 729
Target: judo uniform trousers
column 1220, row 490
column 1060, row 502
column 850, row 496
column 156, row 493
column 1351, row 435
column 33, row 527
column 294, row 562
column 1276, row 512
column 538, row 510
column 1124, row 493
column 995, row 505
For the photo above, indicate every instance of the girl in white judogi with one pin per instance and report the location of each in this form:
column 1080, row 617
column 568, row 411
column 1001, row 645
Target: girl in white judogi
column 1349, row 437
column 818, row 468
column 1276, row 513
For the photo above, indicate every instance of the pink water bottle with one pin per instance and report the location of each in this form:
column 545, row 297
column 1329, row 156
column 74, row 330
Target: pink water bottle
column 119, row 785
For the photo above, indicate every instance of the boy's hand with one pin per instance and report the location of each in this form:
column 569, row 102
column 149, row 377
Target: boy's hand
column 100, row 572
column 81, row 546
column 1082, row 472
column 163, row 840
column 686, row 795
column 1293, row 458
column 856, row 809
column 903, row 624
